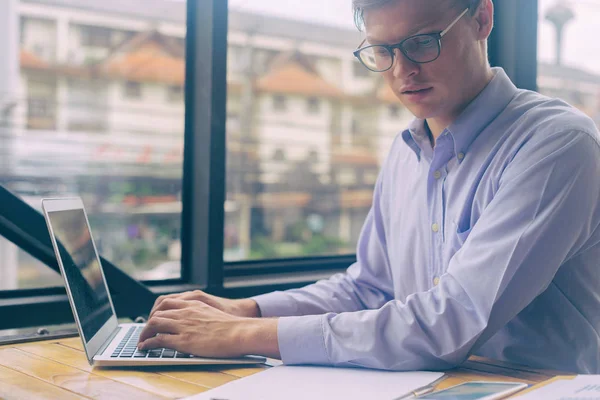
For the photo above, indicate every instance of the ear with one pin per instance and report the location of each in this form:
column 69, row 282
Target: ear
column 484, row 19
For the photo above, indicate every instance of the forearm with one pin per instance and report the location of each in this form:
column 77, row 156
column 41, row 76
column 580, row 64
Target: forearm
column 346, row 292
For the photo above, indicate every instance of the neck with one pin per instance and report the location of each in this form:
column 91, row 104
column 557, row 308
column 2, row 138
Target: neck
column 438, row 124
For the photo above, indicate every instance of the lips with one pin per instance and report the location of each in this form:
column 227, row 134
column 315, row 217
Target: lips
column 415, row 90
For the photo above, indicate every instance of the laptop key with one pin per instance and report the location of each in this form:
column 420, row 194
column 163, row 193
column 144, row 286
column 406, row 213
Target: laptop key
column 182, row 355
column 138, row 354
column 168, row 353
column 154, row 353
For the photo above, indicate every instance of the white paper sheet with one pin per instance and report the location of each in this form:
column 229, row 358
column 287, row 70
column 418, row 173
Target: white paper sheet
column 583, row 387
column 316, row 383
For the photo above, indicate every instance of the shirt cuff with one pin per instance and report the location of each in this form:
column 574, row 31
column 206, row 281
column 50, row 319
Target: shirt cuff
column 301, row 340
column 276, row 304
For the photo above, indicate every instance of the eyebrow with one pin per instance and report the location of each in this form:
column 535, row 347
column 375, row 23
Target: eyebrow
column 423, row 29
column 412, row 33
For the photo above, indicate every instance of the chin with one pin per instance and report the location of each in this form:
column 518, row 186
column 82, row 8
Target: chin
column 421, row 111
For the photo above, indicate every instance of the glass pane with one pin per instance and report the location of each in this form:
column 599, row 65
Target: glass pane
column 569, row 53
column 307, row 129
column 91, row 104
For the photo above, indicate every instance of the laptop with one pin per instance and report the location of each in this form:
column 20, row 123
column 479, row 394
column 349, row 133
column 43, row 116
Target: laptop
column 106, row 342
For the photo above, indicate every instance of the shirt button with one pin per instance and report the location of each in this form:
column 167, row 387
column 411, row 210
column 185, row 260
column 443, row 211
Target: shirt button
column 461, row 156
column 437, row 174
column 436, row 281
column 435, row 228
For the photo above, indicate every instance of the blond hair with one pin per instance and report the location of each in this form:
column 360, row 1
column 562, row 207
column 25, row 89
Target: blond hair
column 360, row 6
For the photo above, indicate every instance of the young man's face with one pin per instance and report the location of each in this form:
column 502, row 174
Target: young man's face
column 440, row 88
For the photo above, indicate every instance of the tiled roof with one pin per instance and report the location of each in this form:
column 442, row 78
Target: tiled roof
column 149, row 62
column 31, row 61
column 292, row 78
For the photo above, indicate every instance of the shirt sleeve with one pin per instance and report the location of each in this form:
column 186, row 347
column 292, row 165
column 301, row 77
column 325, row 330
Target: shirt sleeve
column 367, row 284
column 542, row 214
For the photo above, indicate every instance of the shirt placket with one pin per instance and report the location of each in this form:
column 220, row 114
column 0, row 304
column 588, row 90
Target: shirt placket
column 442, row 153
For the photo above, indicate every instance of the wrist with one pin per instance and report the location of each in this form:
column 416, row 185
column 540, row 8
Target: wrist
column 249, row 308
column 258, row 336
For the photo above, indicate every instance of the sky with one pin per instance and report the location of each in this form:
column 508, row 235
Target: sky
column 582, row 35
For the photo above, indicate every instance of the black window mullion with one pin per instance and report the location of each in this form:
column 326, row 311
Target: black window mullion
column 513, row 42
column 204, row 154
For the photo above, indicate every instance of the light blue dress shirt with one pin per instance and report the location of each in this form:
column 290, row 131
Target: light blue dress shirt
column 486, row 244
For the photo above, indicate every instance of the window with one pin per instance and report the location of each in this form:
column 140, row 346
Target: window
column 97, row 36
column 130, row 176
column 279, row 155
column 567, row 64
column 313, row 105
column 175, row 94
column 279, row 103
column 132, row 90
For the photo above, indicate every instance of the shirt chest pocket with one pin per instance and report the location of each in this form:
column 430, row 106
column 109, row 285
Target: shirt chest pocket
column 458, row 232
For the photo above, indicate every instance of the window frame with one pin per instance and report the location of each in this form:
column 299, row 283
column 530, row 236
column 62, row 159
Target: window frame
column 204, row 164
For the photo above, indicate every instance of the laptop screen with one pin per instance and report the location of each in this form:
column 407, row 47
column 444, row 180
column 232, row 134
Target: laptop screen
column 82, row 270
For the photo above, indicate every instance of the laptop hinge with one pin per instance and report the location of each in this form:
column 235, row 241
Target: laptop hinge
column 108, row 340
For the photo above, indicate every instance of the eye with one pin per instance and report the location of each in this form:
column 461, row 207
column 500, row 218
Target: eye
column 381, row 51
column 425, row 41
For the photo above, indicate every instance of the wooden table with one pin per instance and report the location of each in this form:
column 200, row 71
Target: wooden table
column 58, row 369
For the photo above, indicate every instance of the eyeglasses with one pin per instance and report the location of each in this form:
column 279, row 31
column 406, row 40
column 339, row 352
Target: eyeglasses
column 420, row 49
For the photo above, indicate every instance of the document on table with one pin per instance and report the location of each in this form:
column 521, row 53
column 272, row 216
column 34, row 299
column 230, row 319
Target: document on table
column 316, row 383
column 582, row 387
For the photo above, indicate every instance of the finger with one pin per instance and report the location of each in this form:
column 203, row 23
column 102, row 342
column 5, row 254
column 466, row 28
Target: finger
column 162, row 298
column 190, row 295
column 158, row 301
column 175, row 314
column 158, row 325
column 171, row 304
column 160, row 341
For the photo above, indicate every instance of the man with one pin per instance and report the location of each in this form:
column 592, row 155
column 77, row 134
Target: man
column 483, row 237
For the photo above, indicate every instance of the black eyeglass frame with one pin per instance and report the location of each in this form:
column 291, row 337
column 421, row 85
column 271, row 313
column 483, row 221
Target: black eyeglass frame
column 436, row 36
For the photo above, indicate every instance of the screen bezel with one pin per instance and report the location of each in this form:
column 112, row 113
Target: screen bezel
column 95, row 343
column 511, row 388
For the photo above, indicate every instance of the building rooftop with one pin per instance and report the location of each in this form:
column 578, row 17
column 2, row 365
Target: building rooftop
column 292, row 78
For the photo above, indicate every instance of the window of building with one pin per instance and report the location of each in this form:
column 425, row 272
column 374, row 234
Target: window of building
column 279, row 103
column 346, row 177
column 313, row 105
column 96, row 36
column 132, row 90
column 175, row 94
column 279, row 155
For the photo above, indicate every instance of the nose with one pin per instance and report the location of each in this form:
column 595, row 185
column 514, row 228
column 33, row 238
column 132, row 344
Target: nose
column 403, row 67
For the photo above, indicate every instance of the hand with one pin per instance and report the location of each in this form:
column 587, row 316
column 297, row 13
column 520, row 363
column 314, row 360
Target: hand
column 194, row 327
column 241, row 308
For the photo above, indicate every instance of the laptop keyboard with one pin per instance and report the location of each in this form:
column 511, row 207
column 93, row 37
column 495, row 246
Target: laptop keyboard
column 127, row 348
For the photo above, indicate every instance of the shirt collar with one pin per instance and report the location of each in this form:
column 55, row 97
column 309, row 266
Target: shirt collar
column 492, row 100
